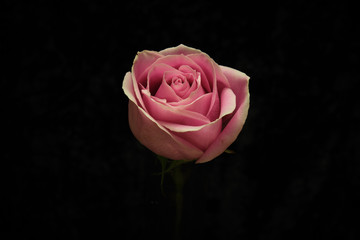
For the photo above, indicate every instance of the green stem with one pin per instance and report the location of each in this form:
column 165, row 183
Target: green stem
column 176, row 168
column 179, row 185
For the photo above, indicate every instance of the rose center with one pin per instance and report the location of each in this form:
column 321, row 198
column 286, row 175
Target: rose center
column 177, row 84
column 177, row 81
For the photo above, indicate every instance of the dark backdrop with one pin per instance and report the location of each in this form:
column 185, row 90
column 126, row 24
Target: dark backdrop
column 73, row 168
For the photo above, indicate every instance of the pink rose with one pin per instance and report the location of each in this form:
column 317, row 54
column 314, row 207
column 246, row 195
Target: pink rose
column 183, row 105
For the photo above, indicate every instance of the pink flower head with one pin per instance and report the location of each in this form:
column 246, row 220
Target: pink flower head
column 183, row 105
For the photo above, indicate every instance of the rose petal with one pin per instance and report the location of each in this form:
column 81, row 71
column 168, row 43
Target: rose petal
column 239, row 83
column 131, row 89
column 142, row 62
column 200, row 105
column 151, row 134
column 207, row 64
column 195, row 91
column 204, row 61
column 214, row 109
column 194, row 106
column 203, row 137
column 181, row 88
column 178, row 82
column 166, row 92
column 181, row 49
column 193, row 80
column 155, row 75
column 228, row 102
column 177, row 61
column 162, row 112
column 187, row 69
column 156, row 138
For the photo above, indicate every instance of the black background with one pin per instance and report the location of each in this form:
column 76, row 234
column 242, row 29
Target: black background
column 73, row 169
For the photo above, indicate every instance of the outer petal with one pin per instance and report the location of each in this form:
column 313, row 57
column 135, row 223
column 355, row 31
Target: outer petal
column 181, row 49
column 158, row 139
column 203, row 137
column 228, row 102
column 239, row 83
column 142, row 62
column 128, row 87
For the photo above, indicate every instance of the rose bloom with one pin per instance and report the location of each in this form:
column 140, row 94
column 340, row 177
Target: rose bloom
column 183, row 105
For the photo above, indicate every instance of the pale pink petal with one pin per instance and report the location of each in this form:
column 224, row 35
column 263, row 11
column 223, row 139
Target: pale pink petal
column 194, row 84
column 129, row 88
column 228, row 102
column 175, row 127
column 170, row 74
column 142, row 62
column 187, row 69
column 203, row 137
column 200, row 105
column 163, row 112
column 178, row 61
column 166, row 92
column 239, row 83
column 214, row 109
column 222, row 80
column 196, row 90
column 205, row 63
column 181, row 89
column 159, row 140
column 141, row 65
column 137, row 91
column 181, row 49
column 156, row 73
column 178, row 82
